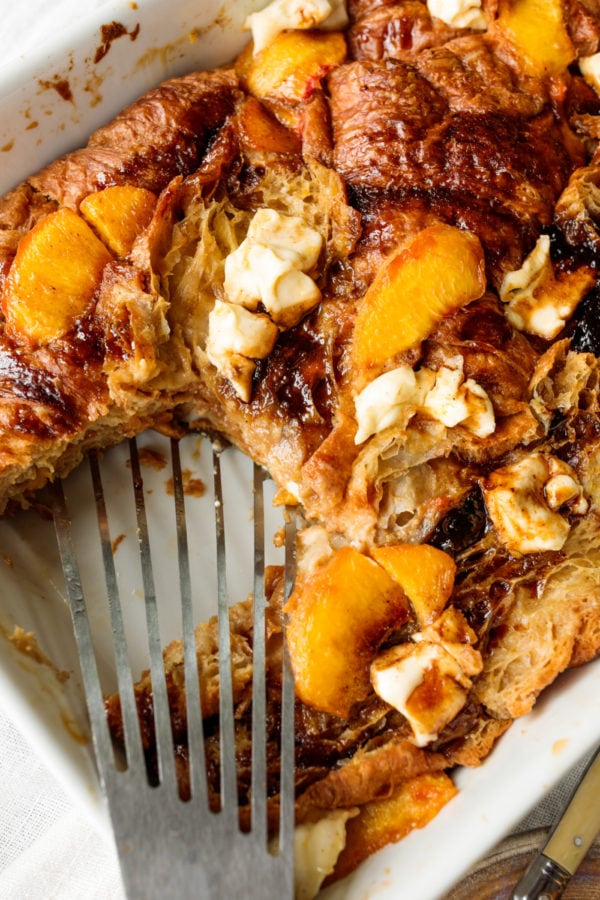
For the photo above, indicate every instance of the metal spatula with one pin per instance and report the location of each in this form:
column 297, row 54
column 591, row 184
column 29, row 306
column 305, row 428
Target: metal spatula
column 169, row 847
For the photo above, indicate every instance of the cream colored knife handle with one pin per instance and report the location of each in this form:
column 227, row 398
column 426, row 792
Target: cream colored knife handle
column 568, row 843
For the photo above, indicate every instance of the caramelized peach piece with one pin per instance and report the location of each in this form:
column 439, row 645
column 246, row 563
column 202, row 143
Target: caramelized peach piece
column 57, row 268
column 119, row 214
column 413, row 805
column 260, row 130
column 425, row 574
column 292, row 67
column 436, row 272
column 536, row 29
column 337, row 618
column 243, row 62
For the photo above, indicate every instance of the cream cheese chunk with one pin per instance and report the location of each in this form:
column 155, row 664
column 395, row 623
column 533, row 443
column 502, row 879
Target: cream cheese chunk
column 530, row 309
column 266, row 289
column 289, row 236
column 589, row 66
column 236, row 337
column 443, row 395
column 284, row 15
column 522, row 501
column 455, row 401
column 317, row 846
column 270, row 267
column 563, row 489
column 396, row 675
column 428, row 679
column 391, row 399
column 459, row 13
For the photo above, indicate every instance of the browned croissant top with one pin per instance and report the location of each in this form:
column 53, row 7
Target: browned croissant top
column 430, row 380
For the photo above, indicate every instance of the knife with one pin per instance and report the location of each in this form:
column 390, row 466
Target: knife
column 571, row 836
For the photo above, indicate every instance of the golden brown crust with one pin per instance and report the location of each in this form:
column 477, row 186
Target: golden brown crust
column 164, row 134
column 423, row 124
column 370, row 775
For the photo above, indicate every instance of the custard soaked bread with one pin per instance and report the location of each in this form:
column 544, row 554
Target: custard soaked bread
column 368, row 258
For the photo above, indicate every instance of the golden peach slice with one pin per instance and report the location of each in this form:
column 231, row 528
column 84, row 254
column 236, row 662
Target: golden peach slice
column 119, row 214
column 338, row 616
column 56, row 270
column 293, row 66
column 537, row 31
column 425, row 574
column 261, row 131
column 413, row 805
column 433, row 274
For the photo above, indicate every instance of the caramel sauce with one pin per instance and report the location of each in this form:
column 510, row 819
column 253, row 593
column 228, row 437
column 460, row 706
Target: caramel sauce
column 110, row 33
column 294, row 377
column 117, row 543
column 33, row 385
column 60, row 85
column 462, row 526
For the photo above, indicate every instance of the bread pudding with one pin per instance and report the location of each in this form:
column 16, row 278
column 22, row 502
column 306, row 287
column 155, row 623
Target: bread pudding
column 366, row 254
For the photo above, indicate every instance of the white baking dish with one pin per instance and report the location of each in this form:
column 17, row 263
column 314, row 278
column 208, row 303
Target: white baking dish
column 48, row 104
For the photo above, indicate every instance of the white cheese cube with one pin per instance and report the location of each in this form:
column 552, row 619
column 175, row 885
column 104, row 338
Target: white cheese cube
column 289, row 297
column 394, row 397
column 423, row 682
column 233, row 329
column 454, row 401
column 535, row 268
column 236, row 337
column 589, row 66
column 289, row 236
column 543, row 319
column 281, row 15
column 317, row 846
column 269, row 267
column 516, row 503
column 480, row 420
column 563, row 487
column 452, row 631
column 459, row 13
column 391, row 399
column 529, row 307
column 241, row 283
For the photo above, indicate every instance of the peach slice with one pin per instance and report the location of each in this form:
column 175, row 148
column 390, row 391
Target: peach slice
column 338, row 617
column 261, row 131
column 293, row 66
column 537, row 31
column 413, row 805
column 433, row 274
column 56, row 270
column 425, row 574
column 119, row 214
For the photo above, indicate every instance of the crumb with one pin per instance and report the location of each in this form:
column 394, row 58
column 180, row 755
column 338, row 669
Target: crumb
column 26, row 643
column 192, row 486
column 152, row 458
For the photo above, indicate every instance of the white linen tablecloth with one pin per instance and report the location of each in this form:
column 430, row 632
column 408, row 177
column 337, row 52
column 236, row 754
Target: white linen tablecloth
column 48, row 849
